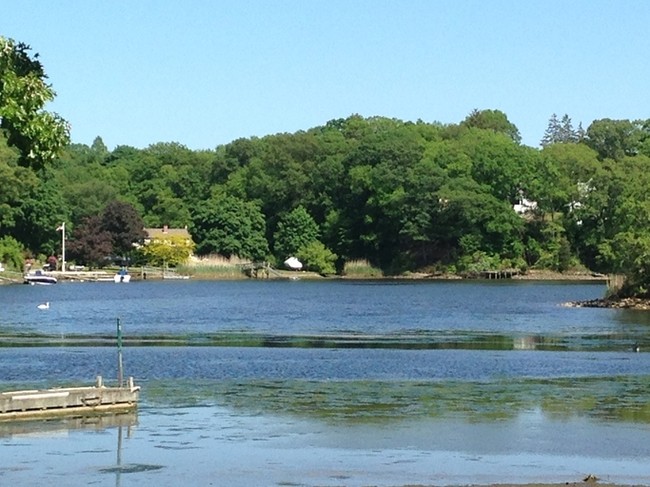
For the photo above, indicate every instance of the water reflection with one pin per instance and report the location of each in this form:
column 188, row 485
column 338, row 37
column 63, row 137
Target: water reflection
column 63, row 426
column 407, row 340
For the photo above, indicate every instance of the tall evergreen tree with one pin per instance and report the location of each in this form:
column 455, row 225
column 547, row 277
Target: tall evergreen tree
column 561, row 131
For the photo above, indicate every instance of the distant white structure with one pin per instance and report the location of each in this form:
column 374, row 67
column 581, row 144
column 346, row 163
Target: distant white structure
column 293, row 263
column 525, row 206
column 583, row 193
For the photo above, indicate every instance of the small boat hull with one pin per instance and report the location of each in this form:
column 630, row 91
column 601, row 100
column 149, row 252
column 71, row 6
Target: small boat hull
column 122, row 276
column 39, row 277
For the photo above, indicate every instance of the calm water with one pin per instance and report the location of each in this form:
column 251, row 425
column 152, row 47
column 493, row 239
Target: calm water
column 332, row 383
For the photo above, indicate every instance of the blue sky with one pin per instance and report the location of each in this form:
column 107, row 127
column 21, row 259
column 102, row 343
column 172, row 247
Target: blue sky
column 205, row 72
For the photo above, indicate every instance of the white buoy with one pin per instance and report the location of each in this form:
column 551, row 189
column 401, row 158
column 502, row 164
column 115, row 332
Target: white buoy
column 45, row 305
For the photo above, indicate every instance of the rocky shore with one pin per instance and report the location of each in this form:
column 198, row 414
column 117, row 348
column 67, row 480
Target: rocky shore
column 623, row 303
column 546, row 275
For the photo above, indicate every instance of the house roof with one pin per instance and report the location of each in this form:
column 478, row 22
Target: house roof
column 167, row 232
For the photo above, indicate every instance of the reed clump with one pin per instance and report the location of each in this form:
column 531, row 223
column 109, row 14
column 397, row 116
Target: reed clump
column 214, row 267
column 361, row 268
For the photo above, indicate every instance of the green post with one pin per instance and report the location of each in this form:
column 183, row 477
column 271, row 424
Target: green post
column 120, row 374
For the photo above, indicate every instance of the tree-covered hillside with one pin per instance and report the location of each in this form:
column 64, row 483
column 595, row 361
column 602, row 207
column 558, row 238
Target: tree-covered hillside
column 406, row 196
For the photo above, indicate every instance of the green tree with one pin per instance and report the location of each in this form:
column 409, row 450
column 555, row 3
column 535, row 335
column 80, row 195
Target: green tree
column 99, row 149
column 168, row 210
column 38, row 134
column 493, row 120
column 16, row 183
column 563, row 255
column 87, row 184
column 367, row 222
column 562, row 175
column 416, row 206
column 498, row 163
column 614, row 139
column 41, row 211
column 469, row 209
column 229, row 226
column 616, row 203
column 295, row 230
column 631, row 252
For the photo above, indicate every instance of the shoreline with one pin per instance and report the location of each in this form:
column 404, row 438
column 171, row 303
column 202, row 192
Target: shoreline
column 531, row 275
column 583, row 483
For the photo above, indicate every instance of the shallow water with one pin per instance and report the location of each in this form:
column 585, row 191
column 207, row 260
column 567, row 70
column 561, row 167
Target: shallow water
column 332, row 383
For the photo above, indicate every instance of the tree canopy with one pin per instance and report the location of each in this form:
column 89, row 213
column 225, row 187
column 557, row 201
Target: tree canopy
column 36, row 133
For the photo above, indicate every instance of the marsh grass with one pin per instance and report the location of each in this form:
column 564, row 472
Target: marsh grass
column 214, row 267
column 361, row 268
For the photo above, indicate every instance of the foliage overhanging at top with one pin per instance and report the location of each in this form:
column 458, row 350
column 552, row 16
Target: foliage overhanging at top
column 37, row 134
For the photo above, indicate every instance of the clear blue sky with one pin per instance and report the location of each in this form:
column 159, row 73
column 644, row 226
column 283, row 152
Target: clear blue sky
column 205, row 72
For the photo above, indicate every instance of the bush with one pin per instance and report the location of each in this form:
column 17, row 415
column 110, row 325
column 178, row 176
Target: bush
column 318, row 258
column 11, row 253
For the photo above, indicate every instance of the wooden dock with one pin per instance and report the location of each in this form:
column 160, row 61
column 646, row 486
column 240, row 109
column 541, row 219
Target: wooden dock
column 72, row 401
column 502, row 274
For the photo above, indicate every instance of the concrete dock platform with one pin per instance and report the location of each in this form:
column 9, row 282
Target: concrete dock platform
column 71, row 401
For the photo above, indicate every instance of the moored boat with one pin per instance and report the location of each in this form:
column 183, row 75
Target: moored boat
column 122, row 276
column 39, row 277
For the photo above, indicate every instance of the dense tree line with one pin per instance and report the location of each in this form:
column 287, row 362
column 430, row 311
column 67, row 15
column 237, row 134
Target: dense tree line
column 406, row 196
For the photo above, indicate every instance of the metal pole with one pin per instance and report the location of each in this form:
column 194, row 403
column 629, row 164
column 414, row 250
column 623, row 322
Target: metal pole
column 63, row 247
column 120, row 372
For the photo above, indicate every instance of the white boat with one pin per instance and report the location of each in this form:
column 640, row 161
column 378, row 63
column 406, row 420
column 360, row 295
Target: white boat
column 167, row 274
column 122, row 276
column 293, row 264
column 39, row 277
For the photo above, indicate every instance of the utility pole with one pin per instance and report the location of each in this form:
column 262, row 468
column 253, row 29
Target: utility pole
column 62, row 228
